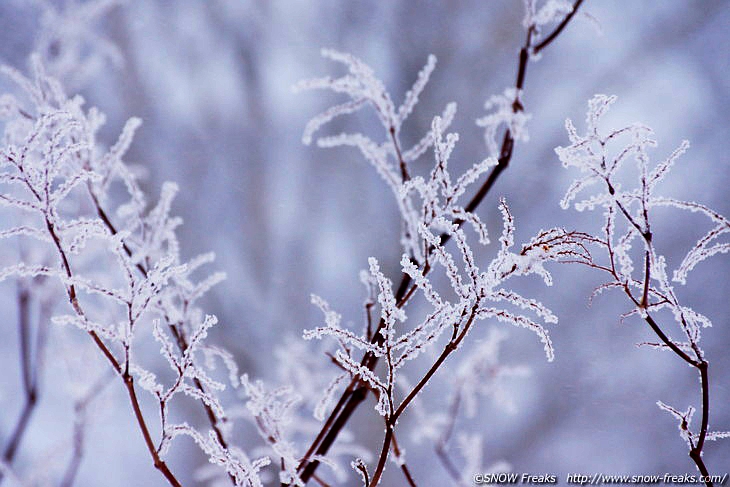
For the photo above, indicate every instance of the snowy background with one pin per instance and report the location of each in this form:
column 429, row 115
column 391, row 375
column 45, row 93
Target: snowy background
column 212, row 83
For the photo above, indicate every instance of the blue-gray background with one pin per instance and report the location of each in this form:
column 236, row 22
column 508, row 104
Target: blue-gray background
column 212, row 80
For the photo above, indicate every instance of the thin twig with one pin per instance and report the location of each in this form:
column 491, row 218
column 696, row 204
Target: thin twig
column 375, row 480
column 28, row 376
column 403, row 466
column 80, row 408
column 398, row 154
column 542, row 45
column 440, row 446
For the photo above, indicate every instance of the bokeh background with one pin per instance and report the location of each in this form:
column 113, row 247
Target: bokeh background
column 212, row 82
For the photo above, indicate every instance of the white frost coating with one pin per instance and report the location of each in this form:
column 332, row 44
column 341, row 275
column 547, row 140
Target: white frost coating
column 411, row 98
column 388, row 157
column 683, row 418
column 327, row 397
column 503, row 114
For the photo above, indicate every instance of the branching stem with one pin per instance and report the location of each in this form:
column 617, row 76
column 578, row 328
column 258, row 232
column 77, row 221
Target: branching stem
column 642, row 304
column 356, row 392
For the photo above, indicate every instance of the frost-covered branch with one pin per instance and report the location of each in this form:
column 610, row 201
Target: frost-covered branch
column 58, row 178
column 477, row 294
column 438, row 193
column 602, row 166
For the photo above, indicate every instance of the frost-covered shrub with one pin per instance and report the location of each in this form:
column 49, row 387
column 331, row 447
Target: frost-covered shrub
column 96, row 264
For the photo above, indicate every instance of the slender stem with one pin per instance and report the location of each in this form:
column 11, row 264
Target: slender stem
column 383, row 454
column 543, row 44
column 19, row 431
column 320, row 481
column 448, row 350
column 72, row 469
column 31, row 364
column 450, row 347
column 69, row 477
column 159, row 463
column 44, row 199
column 28, row 378
column 401, row 162
column 20, row 427
column 24, row 336
column 354, row 394
column 668, row 342
column 392, row 420
column 696, row 452
column 364, row 472
column 705, row 403
column 647, row 274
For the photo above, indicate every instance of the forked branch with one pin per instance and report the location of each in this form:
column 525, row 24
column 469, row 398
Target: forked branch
column 356, row 391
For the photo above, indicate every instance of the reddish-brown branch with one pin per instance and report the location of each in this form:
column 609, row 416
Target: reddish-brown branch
column 448, row 350
column 375, row 480
column 31, row 359
column 459, row 333
column 19, row 431
column 29, row 379
column 159, row 463
column 321, row 482
column 180, row 339
column 642, row 303
column 356, row 392
column 555, row 33
column 696, row 452
column 401, row 162
column 701, row 365
column 176, row 331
